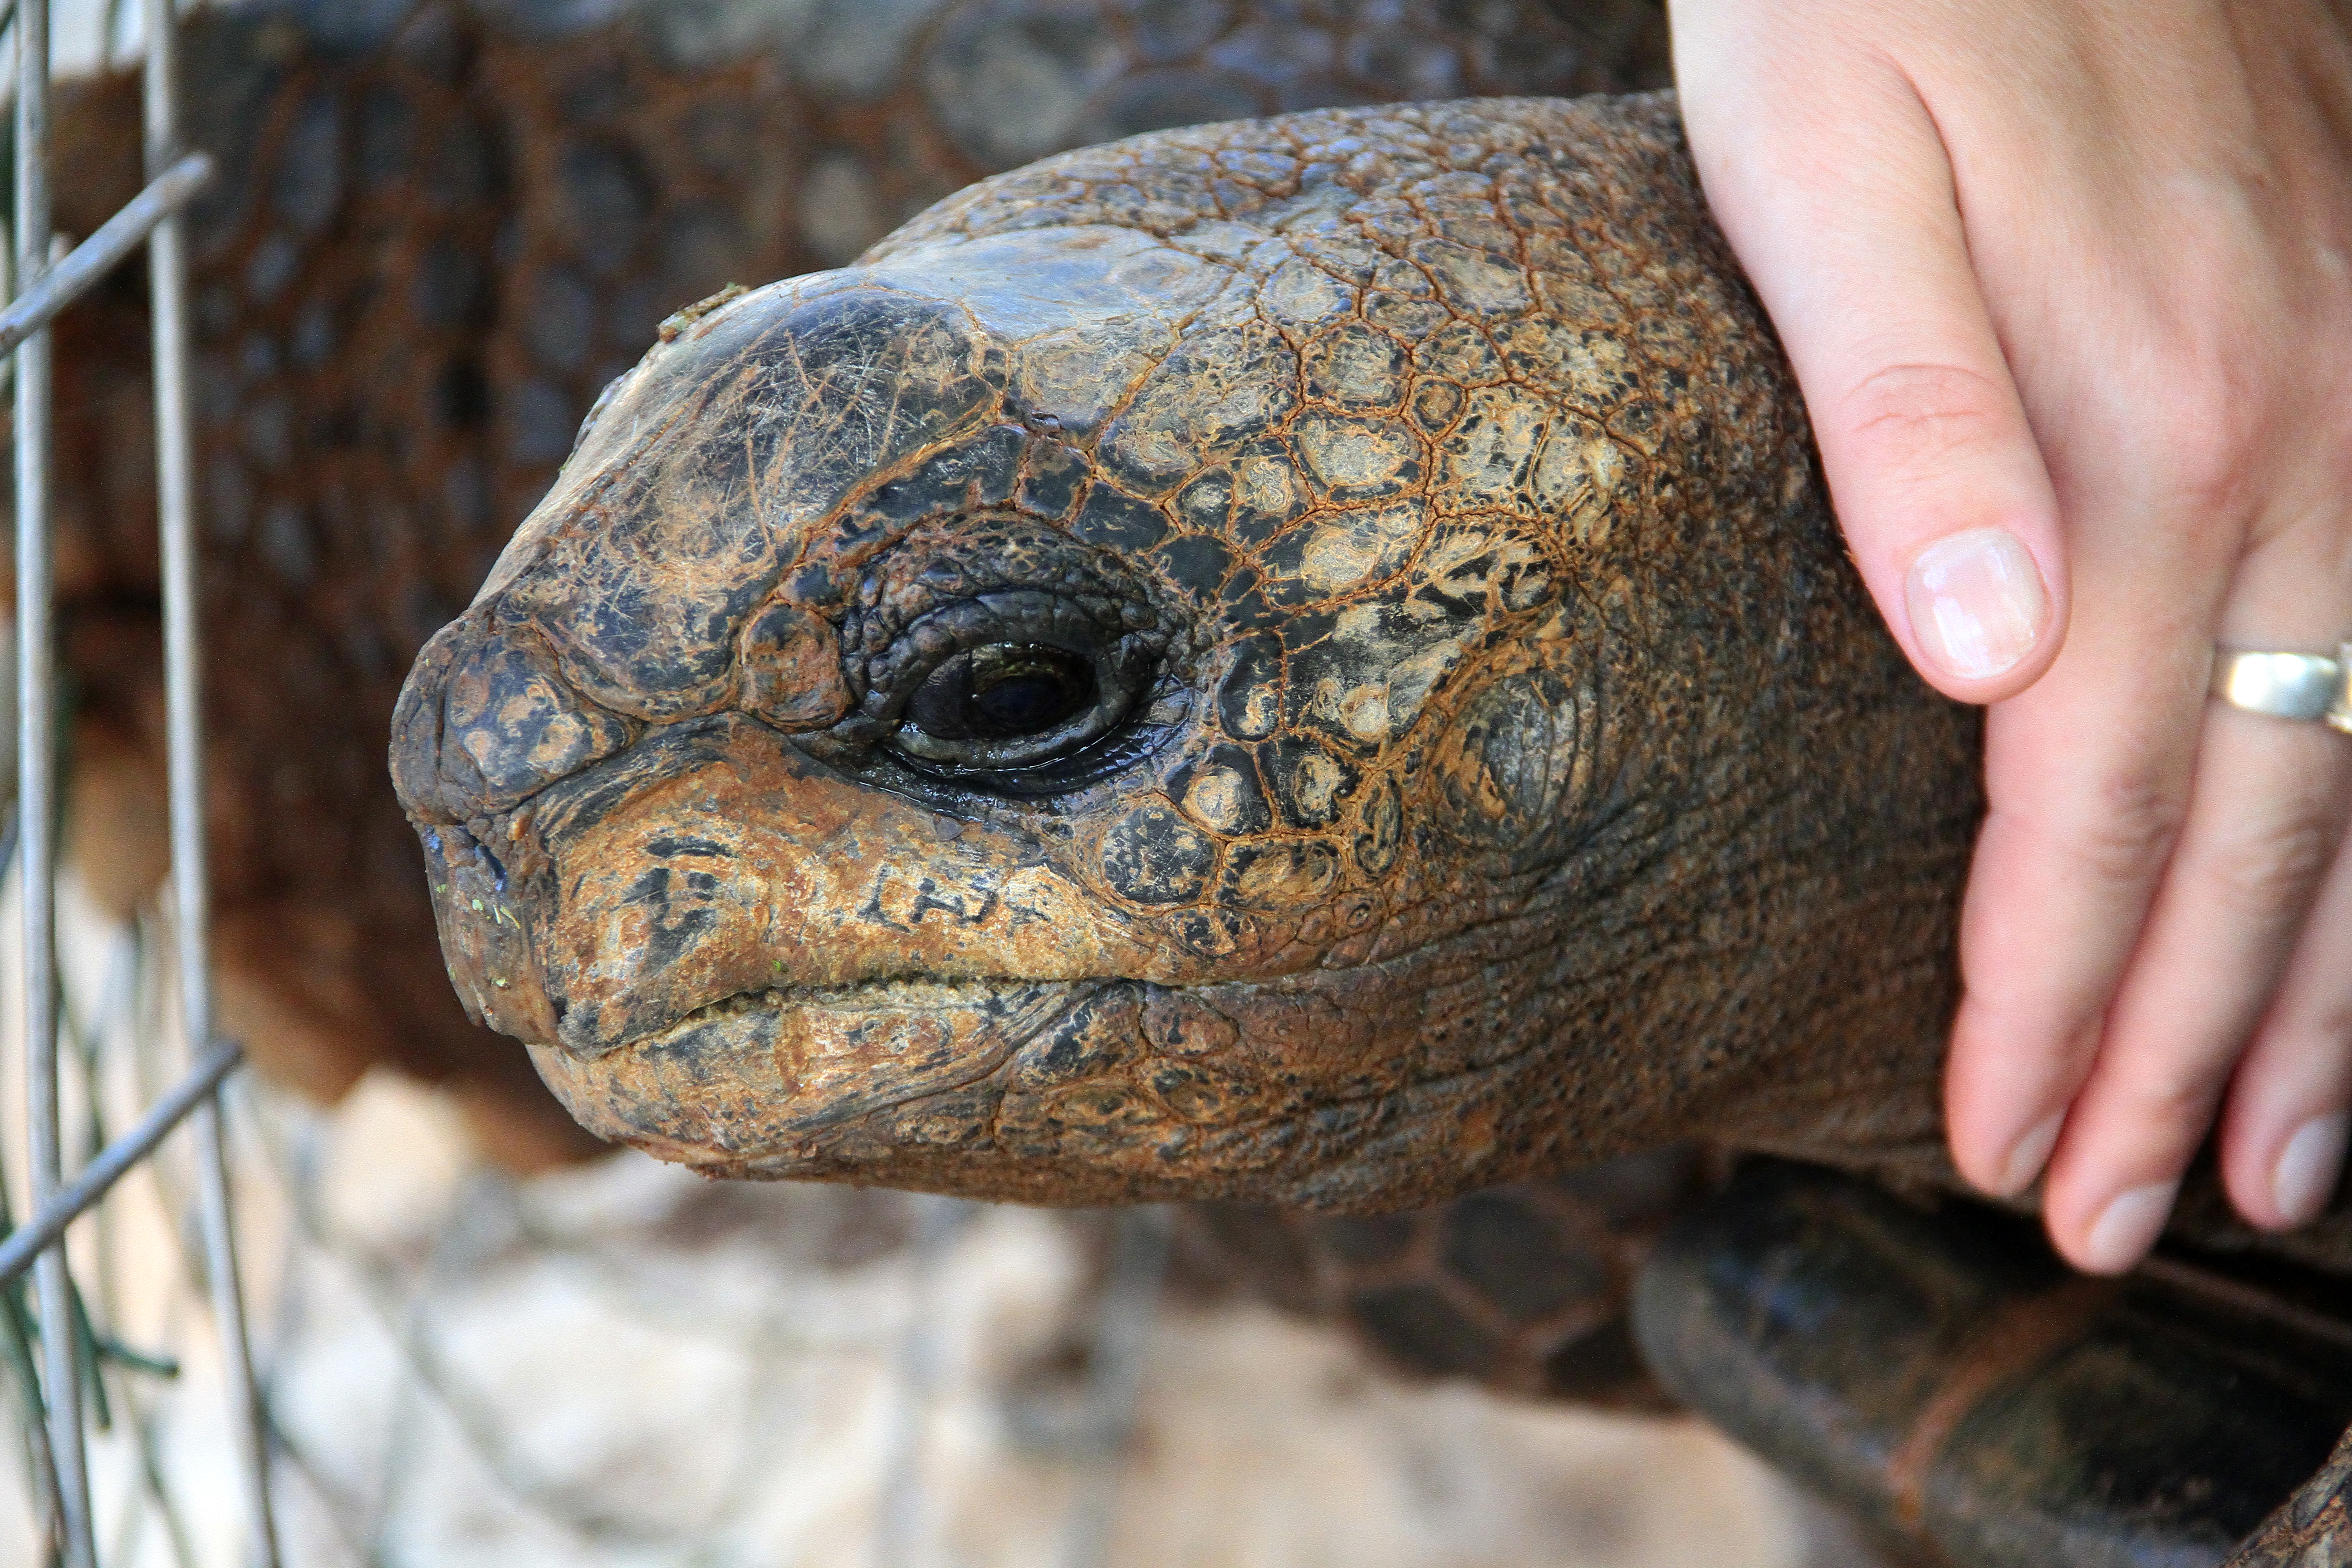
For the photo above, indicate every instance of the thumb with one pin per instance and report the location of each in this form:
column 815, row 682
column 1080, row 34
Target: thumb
column 1837, row 194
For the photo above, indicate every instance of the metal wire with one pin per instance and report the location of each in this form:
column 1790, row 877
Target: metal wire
column 42, row 289
column 39, row 1233
column 191, row 887
column 36, row 782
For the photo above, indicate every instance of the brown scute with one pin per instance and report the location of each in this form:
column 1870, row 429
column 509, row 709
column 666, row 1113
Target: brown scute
column 1521, row 1288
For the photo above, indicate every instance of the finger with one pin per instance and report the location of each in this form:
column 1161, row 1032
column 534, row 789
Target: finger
column 1839, row 198
column 2087, row 781
column 2264, row 820
column 2283, row 1134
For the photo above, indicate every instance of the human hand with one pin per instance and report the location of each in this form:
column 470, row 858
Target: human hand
column 2068, row 287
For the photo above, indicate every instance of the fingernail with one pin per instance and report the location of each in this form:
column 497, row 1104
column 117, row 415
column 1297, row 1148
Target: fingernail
column 2127, row 1227
column 2030, row 1154
column 1976, row 601
column 2308, row 1167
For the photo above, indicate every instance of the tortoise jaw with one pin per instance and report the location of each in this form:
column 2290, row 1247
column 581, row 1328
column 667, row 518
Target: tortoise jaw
column 783, row 1077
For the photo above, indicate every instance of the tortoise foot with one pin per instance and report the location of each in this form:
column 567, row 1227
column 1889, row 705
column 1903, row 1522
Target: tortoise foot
column 1943, row 1374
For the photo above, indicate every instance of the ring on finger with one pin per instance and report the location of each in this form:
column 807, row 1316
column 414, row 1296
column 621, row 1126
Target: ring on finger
column 2308, row 687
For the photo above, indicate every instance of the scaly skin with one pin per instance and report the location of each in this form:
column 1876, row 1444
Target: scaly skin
column 1516, row 776
column 1490, row 764
column 431, row 243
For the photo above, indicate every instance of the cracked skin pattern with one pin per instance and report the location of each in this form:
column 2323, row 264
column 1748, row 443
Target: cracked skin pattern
column 439, row 229
column 1514, row 777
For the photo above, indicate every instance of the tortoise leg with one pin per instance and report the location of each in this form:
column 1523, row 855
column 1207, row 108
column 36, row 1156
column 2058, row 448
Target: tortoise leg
column 1943, row 1374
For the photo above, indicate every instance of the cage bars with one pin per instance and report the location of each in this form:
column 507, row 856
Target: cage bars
column 42, row 291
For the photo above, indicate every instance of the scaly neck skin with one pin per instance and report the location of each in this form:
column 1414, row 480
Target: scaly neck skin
column 1767, row 918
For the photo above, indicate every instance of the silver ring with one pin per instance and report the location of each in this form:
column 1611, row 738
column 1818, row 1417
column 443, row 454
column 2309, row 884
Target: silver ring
column 2306, row 687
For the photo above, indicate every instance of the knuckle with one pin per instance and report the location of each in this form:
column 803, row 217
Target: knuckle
column 2257, row 871
column 2179, row 1095
column 2135, row 826
column 1919, row 417
column 2325, row 1022
column 2207, row 432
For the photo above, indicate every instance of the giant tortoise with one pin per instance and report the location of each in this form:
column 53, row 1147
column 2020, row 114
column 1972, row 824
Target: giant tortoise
column 1442, row 762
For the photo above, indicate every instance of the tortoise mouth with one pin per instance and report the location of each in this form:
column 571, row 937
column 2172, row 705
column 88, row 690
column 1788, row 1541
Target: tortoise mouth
column 989, row 1001
column 780, row 1063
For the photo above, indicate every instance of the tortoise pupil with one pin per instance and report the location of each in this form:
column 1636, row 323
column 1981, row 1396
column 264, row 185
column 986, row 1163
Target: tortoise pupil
column 1025, row 689
column 1003, row 691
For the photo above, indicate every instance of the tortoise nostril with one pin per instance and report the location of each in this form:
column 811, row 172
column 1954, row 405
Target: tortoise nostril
column 507, row 713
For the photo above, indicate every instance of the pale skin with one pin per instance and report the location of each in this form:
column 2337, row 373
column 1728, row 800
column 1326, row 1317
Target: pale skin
column 2068, row 286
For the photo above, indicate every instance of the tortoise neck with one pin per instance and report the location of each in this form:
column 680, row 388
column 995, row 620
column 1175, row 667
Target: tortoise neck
column 1777, row 853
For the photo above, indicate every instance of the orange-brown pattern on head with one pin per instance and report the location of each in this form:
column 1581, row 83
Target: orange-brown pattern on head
column 439, row 229
column 1461, row 690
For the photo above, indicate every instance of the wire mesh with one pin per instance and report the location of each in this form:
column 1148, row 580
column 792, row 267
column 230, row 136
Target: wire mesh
column 70, row 1384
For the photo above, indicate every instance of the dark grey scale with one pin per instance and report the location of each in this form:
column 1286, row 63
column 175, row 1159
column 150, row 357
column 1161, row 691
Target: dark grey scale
column 1279, row 874
column 1269, row 494
column 1219, row 789
column 1249, row 698
column 450, row 286
column 1485, row 1241
column 267, row 434
column 229, row 510
column 605, row 201
column 308, row 182
column 385, row 137
column 270, row 267
column 1206, row 504
column 1501, row 781
column 1308, row 782
column 515, row 718
column 1114, row 520
column 1152, row 101
column 1516, row 1286
column 538, row 424
column 979, row 471
column 312, row 341
column 1154, row 857
column 1003, row 78
column 559, row 319
column 1380, row 834
column 700, row 243
column 461, row 165
column 1243, row 604
column 286, row 548
column 2166, row 1414
column 1198, row 563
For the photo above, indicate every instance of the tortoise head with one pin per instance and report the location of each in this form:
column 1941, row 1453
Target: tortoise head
column 1262, row 660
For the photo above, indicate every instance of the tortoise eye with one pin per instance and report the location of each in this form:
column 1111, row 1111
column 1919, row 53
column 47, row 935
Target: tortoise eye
column 1002, row 692
column 1020, row 693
